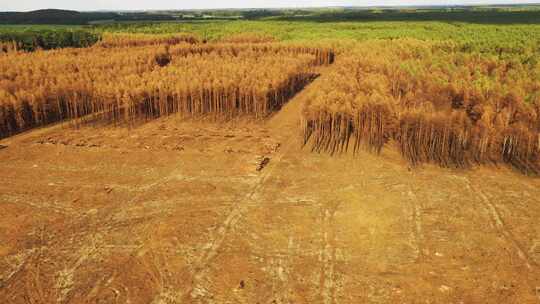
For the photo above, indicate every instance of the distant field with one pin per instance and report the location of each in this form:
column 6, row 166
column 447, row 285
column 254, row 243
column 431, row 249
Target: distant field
column 504, row 14
column 8, row 28
column 473, row 37
column 498, row 30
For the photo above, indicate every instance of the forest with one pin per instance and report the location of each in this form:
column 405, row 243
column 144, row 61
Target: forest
column 444, row 91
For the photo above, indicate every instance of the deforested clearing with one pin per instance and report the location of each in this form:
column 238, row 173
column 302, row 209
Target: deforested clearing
column 309, row 156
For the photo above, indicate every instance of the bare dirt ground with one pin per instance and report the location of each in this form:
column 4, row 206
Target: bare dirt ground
column 179, row 211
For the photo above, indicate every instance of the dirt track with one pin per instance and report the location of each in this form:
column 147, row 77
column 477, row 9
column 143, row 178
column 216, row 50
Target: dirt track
column 177, row 212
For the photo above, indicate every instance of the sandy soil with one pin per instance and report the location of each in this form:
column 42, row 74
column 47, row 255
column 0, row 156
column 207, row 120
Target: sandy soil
column 178, row 211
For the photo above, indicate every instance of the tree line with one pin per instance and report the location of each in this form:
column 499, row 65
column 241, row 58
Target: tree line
column 31, row 40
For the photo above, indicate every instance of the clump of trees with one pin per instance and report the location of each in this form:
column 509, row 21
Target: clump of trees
column 436, row 103
column 46, row 39
column 127, row 84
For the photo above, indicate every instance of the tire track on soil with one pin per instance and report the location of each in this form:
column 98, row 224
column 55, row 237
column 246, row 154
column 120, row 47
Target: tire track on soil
column 414, row 214
column 199, row 289
column 327, row 255
column 280, row 271
column 91, row 247
column 416, row 219
column 65, row 278
column 499, row 224
column 285, row 119
column 15, row 264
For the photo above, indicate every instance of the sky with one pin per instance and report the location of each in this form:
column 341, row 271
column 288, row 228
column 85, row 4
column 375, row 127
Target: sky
column 26, row 5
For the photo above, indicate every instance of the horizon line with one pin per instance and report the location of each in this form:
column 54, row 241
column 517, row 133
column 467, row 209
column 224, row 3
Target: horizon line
column 288, row 7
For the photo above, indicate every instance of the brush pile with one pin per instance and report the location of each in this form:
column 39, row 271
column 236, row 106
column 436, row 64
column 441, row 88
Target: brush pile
column 439, row 105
